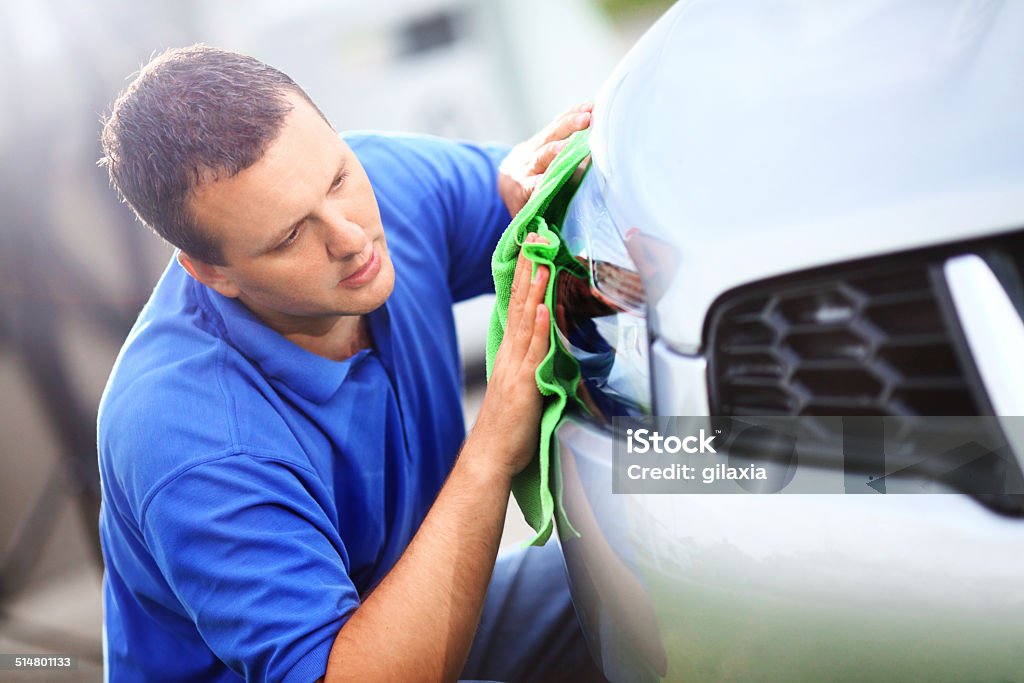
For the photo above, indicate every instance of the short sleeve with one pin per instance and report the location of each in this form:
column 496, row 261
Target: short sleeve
column 478, row 218
column 256, row 563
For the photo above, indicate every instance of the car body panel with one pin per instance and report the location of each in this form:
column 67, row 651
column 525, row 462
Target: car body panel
column 802, row 133
column 786, row 588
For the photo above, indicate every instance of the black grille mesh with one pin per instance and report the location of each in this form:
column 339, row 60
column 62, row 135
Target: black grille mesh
column 870, row 340
column 877, row 337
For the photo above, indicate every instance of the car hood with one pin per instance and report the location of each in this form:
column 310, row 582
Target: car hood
column 749, row 139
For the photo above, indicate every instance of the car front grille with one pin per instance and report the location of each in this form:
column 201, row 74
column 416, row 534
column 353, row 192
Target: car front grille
column 877, row 337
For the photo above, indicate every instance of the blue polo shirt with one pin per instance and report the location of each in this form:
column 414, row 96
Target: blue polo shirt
column 253, row 492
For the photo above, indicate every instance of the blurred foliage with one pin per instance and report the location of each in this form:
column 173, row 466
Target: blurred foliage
column 622, row 9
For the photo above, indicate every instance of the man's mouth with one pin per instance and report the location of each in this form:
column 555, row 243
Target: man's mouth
column 366, row 272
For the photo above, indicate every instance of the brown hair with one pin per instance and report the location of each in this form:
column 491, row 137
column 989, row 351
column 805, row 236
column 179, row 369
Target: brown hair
column 192, row 115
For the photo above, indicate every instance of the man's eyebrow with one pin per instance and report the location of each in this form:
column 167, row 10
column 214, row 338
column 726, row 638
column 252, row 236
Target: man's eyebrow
column 283, row 234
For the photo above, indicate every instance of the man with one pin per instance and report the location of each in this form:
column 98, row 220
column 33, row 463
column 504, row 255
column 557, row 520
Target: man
column 278, row 438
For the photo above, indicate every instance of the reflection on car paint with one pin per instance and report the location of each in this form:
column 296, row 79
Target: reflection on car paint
column 610, row 345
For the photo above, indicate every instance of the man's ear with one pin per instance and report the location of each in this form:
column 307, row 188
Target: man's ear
column 210, row 275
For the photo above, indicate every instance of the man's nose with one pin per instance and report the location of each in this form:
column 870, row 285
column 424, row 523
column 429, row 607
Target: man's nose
column 344, row 238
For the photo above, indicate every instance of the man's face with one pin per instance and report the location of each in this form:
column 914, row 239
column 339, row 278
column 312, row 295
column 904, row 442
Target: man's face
column 300, row 230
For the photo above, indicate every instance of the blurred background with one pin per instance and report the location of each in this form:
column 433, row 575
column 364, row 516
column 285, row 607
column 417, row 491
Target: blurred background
column 75, row 268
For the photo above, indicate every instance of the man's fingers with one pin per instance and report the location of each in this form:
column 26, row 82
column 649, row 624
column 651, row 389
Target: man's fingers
column 567, row 125
column 538, row 287
column 557, row 137
column 568, row 114
column 540, row 339
column 545, row 155
column 527, row 293
column 520, row 288
column 585, row 105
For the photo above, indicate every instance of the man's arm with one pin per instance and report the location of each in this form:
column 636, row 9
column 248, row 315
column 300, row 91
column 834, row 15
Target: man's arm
column 419, row 622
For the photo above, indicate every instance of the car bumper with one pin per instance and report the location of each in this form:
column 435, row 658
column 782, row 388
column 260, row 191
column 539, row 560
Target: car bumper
column 788, row 587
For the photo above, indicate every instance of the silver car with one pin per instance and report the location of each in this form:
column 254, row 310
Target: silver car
column 801, row 208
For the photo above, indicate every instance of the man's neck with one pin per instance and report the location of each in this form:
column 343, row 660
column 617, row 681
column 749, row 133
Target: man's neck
column 341, row 342
column 334, row 337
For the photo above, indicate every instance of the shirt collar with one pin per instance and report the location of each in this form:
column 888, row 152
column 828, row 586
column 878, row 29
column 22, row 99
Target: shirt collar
column 282, row 362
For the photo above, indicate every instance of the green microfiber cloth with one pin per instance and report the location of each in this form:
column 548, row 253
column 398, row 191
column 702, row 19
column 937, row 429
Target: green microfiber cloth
column 559, row 373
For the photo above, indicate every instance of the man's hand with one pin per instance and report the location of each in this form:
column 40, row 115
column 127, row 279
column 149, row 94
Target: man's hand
column 508, row 423
column 524, row 167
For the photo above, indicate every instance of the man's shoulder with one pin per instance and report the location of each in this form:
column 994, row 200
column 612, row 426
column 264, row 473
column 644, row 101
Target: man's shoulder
column 426, row 161
column 404, row 168
column 173, row 349
column 380, row 144
column 173, row 396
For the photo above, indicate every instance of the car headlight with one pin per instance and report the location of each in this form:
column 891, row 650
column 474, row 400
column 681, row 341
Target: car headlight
column 602, row 321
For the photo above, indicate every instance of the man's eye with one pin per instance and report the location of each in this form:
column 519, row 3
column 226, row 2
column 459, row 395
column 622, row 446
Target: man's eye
column 292, row 236
column 340, row 180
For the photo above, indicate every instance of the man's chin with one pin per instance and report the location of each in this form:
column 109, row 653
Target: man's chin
column 385, row 281
column 382, row 289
